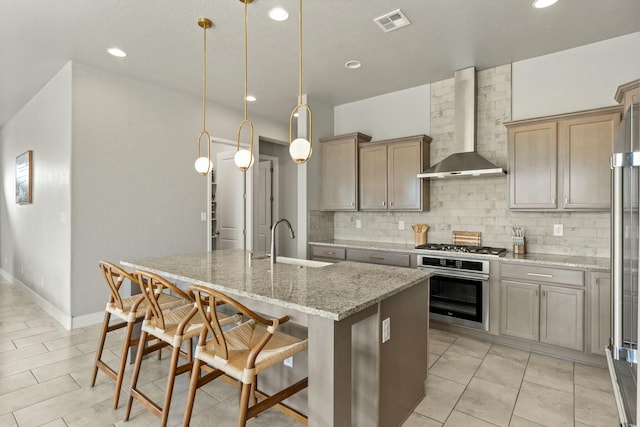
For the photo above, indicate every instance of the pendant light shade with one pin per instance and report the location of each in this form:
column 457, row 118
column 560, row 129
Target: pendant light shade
column 300, row 149
column 203, row 164
column 243, row 157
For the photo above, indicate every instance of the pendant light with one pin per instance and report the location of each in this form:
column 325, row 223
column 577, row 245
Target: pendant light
column 300, row 148
column 243, row 157
column 203, row 164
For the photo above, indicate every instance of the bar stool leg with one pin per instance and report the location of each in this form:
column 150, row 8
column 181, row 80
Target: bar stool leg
column 191, row 397
column 103, row 337
column 123, row 362
column 244, row 405
column 136, row 373
column 175, row 355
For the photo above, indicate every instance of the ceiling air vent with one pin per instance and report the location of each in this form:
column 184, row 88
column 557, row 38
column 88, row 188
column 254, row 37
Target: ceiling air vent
column 392, row 21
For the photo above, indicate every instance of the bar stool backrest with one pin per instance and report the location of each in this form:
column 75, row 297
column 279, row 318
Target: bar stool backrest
column 114, row 276
column 151, row 286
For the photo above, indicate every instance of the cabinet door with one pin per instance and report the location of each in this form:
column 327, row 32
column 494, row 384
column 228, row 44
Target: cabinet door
column 338, row 174
column 561, row 317
column 404, row 163
column 600, row 297
column 373, row 177
column 586, row 144
column 533, row 166
column 520, row 310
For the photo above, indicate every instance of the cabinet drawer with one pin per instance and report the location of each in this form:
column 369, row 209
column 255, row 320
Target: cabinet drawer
column 327, row 252
column 379, row 257
column 539, row 274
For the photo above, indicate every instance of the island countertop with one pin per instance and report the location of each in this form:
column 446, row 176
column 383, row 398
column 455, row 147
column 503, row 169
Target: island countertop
column 335, row 291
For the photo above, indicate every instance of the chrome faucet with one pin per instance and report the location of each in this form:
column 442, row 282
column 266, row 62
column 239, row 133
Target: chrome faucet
column 273, row 237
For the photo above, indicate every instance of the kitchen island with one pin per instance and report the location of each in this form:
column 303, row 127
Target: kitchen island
column 354, row 378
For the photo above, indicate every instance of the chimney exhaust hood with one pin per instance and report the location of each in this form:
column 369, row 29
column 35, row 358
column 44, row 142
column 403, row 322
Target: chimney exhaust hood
column 465, row 162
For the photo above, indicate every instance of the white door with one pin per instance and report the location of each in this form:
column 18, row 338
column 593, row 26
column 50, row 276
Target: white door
column 230, row 209
column 264, row 207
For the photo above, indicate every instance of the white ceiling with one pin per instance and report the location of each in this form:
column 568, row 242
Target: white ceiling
column 164, row 43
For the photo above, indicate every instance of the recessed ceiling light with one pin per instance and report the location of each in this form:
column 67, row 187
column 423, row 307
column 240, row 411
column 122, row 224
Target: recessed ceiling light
column 353, row 64
column 541, row 4
column 251, row 98
column 278, row 14
column 117, row 52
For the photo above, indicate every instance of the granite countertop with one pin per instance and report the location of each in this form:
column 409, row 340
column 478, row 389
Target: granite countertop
column 336, row 291
column 547, row 259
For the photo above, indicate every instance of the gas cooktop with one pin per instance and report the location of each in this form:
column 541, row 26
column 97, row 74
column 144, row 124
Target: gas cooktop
column 481, row 250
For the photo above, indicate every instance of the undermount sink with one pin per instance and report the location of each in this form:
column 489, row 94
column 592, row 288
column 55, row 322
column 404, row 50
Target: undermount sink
column 301, row 262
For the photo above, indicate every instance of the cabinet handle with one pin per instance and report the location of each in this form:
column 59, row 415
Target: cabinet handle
column 539, row 275
column 353, row 204
column 384, row 203
column 331, row 253
column 390, row 203
column 535, row 293
column 566, row 201
column 378, row 258
column 597, row 281
column 543, row 294
column 553, row 201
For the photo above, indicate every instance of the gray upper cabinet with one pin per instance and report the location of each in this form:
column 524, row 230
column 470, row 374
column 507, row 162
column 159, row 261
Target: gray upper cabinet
column 562, row 162
column 533, row 170
column 388, row 172
column 339, row 171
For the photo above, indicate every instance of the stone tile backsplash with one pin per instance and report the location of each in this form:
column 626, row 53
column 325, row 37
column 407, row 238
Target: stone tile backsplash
column 473, row 204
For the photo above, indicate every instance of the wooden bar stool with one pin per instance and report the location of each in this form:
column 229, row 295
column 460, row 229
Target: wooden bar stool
column 172, row 328
column 130, row 310
column 240, row 353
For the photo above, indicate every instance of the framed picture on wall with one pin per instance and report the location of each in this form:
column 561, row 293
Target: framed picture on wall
column 24, row 178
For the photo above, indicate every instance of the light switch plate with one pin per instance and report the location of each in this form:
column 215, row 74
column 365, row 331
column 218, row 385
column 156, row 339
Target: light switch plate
column 400, row 225
column 358, row 223
column 203, row 216
column 558, row 230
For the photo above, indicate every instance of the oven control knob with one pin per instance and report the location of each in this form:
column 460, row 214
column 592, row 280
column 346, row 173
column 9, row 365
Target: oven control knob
column 449, row 313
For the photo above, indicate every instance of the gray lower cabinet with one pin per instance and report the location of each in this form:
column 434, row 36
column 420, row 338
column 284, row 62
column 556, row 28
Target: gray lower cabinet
column 397, row 259
column 327, row 253
column 371, row 256
column 600, row 299
column 534, row 309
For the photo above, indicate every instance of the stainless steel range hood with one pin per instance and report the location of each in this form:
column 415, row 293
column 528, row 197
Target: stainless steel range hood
column 465, row 162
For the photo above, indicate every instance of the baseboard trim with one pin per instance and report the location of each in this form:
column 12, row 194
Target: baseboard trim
column 65, row 320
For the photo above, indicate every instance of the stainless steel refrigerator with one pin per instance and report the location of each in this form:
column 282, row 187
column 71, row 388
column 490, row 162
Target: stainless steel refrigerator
column 622, row 353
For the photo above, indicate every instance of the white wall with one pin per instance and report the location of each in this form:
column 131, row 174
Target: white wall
column 35, row 246
column 135, row 191
column 113, row 157
column 392, row 115
column 576, row 79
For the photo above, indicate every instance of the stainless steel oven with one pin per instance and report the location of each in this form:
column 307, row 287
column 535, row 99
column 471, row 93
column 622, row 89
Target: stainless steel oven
column 459, row 290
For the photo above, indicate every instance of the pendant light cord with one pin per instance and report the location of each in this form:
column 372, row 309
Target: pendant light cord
column 246, row 61
column 300, row 51
column 204, row 81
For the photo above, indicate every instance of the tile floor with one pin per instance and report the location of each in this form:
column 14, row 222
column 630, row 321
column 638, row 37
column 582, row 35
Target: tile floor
column 45, row 370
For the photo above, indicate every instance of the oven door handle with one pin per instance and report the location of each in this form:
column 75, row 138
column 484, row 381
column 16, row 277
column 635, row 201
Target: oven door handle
column 461, row 275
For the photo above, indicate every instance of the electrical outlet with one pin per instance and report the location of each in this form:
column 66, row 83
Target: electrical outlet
column 558, row 230
column 358, row 223
column 203, row 216
column 288, row 362
column 386, row 329
column 400, row 225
